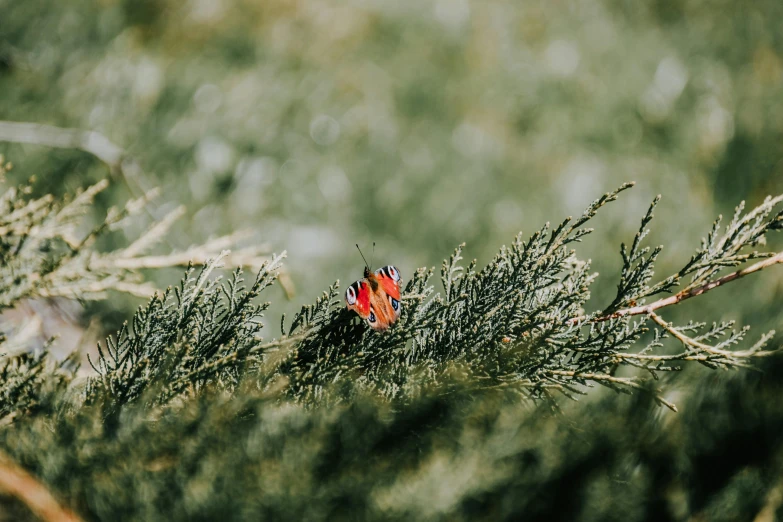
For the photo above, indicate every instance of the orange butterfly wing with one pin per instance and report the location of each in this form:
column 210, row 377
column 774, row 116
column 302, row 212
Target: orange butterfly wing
column 358, row 298
column 390, row 280
column 387, row 299
column 376, row 298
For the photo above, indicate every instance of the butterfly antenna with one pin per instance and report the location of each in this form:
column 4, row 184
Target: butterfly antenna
column 363, row 258
column 372, row 257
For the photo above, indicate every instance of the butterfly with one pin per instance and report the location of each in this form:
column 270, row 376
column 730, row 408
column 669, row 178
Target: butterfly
column 376, row 297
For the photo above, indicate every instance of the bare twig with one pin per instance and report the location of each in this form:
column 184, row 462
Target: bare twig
column 98, row 289
column 91, row 142
column 682, row 296
column 16, row 482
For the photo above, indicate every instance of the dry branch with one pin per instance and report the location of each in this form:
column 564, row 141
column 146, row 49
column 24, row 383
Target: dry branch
column 18, row 483
column 686, row 294
column 91, row 142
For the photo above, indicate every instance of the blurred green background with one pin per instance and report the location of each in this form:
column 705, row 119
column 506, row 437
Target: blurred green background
column 415, row 124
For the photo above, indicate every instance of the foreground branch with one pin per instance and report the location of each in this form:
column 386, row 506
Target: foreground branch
column 16, row 482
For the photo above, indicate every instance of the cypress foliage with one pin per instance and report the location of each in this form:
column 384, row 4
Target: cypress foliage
column 461, row 411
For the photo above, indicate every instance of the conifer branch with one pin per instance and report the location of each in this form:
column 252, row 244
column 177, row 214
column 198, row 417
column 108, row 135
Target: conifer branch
column 611, row 380
column 520, row 321
column 754, row 351
column 70, row 267
column 685, row 294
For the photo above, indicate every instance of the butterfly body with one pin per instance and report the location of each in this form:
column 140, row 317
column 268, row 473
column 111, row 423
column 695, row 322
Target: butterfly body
column 376, row 297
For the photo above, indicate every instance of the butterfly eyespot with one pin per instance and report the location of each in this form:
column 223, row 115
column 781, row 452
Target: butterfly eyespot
column 350, row 295
column 395, row 303
column 393, row 273
column 372, row 317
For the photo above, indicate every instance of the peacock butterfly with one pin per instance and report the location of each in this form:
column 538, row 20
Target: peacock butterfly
column 376, row 297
